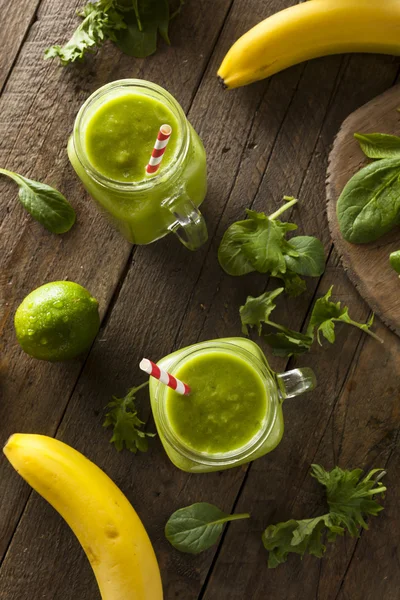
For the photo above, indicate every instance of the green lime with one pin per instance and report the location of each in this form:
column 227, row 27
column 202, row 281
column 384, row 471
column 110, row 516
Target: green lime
column 57, row 321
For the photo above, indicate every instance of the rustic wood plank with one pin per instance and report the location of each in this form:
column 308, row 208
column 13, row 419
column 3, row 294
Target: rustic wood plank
column 16, row 18
column 367, row 265
column 37, row 110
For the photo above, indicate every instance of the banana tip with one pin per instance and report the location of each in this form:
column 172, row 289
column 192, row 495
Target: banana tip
column 11, row 443
column 222, row 82
column 7, row 445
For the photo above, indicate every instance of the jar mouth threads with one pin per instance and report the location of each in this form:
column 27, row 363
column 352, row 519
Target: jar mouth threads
column 241, row 453
column 109, row 91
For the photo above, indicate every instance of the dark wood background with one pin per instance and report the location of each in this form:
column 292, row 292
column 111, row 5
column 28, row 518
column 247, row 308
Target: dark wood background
column 262, row 141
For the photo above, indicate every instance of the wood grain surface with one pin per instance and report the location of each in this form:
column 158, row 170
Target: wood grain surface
column 262, row 141
column 367, row 265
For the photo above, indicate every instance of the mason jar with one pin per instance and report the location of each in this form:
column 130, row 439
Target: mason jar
column 146, row 210
column 278, row 387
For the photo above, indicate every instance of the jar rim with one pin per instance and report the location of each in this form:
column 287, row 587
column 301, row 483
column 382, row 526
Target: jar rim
column 241, row 453
column 156, row 91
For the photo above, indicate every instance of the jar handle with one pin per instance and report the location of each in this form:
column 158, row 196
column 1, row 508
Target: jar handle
column 189, row 226
column 296, row 382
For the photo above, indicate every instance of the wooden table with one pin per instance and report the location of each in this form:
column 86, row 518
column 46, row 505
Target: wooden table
column 262, row 142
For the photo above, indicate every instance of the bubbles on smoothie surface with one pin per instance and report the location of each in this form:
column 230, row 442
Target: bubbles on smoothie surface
column 120, row 135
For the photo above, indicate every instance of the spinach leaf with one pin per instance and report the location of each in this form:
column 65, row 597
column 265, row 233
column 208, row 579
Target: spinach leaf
column 230, row 255
column 369, row 205
column 286, row 342
column 310, row 259
column 259, row 244
column 197, row 527
column 294, row 285
column 395, row 261
column 324, row 315
column 143, row 24
column 44, row 203
column 256, row 244
column 257, row 310
column 379, row 145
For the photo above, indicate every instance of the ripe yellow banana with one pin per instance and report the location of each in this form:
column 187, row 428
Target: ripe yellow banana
column 101, row 517
column 309, row 30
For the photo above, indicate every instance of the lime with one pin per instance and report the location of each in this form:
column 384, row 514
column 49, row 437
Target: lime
column 57, row 321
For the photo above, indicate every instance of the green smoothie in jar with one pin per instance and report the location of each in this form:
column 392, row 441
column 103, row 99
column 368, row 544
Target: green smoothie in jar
column 114, row 135
column 233, row 413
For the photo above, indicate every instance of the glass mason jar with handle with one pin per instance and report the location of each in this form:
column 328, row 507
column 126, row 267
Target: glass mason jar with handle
column 268, row 429
column 143, row 208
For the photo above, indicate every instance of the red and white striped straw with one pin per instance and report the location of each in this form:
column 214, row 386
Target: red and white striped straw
column 154, row 371
column 159, row 148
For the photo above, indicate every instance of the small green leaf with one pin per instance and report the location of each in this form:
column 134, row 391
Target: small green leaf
column 310, row 259
column 197, row 527
column 294, row 285
column 379, row 145
column 298, row 537
column 257, row 310
column 230, row 255
column 349, row 496
column 287, row 342
column 395, row 261
column 324, row 315
column 139, row 38
column 46, row 205
column 122, row 416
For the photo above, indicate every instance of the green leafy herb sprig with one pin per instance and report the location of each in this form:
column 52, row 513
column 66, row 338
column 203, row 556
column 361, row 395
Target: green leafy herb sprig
column 350, row 500
column 127, row 427
column 259, row 244
column 44, row 203
column 285, row 342
column 133, row 25
column 197, row 527
column 369, row 205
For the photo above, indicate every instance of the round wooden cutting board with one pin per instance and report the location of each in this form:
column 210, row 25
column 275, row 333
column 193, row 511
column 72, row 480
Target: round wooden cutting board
column 367, row 265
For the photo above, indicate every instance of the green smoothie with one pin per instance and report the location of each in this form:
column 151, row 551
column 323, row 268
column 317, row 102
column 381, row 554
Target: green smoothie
column 227, row 406
column 120, row 136
column 113, row 138
column 233, row 414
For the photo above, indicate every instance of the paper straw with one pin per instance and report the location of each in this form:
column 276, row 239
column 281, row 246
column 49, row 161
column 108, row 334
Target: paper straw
column 154, row 371
column 159, row 148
